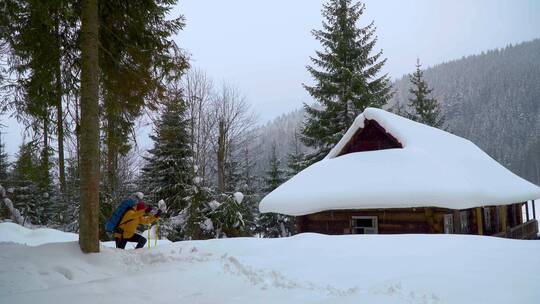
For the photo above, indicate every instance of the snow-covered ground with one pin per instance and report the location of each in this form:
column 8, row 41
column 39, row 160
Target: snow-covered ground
column 306, row 268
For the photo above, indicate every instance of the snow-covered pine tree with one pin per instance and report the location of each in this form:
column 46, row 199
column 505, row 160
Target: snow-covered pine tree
column 4, row 167
column 4, row 162
column 50, row 201
column 273, row 224
column 195, row 221
column 275, row 174
column 296, row 160
column 398, row 108
column 72, row 197
column 248, row 186
column 427, row 110
column 231, row 216
column 27, row 197
column 167, row 174
column 232, row 174
column 345, row 74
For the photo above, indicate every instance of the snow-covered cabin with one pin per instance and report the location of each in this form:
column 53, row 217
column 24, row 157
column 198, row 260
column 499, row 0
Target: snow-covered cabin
column 389, row 174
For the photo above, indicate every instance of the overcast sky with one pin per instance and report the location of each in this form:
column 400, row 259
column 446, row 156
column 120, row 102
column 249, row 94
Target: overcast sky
column 262, row 47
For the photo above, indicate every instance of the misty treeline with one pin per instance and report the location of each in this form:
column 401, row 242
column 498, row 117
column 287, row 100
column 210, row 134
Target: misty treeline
column 210, row 163
column 492, row 99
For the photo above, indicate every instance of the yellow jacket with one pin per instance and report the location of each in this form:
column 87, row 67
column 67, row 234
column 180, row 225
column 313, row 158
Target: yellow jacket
column 131, row 220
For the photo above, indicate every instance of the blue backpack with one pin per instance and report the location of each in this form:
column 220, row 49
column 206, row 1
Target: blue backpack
column 118, row 214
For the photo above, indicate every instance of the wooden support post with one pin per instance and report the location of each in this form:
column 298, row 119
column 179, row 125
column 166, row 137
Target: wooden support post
column 502, row 218
column 497, row 220
column 479, row 221
column 429, row 219
column 519, row 213
column 527, row 210
column 515, row 217
column 299, row 221
column 534, row 210
column 457, row 221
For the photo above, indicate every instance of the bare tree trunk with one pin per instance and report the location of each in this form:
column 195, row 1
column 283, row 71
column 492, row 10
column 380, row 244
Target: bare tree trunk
column 45, row 180
column 89, row 213
column 60, row 114
column 60, row 134
column 235, row 121
column 112, row 159
column 198, row 91
column 221, row 157
column 77, row 130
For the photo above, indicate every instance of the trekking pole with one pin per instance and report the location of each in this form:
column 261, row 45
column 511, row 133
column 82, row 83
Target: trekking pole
column 157, row 235
column 149, row 235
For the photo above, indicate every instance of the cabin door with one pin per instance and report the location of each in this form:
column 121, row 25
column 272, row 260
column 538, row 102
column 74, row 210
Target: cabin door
column 364, row 225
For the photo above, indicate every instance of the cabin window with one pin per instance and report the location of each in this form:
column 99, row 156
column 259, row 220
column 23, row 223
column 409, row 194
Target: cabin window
column 464, row 219
column 364, row 225
column 487, row 218
column 448, row 223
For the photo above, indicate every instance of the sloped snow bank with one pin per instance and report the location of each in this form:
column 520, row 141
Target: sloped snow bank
column 307, row 268
column 11, row 232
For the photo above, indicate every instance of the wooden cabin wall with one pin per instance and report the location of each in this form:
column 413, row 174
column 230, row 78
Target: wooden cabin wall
column 416, row 220
column 390, row 221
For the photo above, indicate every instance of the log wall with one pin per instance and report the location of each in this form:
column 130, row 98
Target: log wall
column 416, row 220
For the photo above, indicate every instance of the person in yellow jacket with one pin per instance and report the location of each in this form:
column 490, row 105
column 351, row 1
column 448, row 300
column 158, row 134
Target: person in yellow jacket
column 128, row 225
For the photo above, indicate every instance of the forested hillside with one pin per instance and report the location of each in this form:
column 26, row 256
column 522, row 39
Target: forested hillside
column 492, row 99
column 280, row 132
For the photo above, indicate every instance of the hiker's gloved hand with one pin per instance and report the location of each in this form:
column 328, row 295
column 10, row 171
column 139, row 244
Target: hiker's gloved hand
column 158, row 213
column 148, row 209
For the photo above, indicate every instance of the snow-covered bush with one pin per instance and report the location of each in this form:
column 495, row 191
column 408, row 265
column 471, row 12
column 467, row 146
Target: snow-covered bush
column 15, row 214
column 275, row 225
column 233, row 217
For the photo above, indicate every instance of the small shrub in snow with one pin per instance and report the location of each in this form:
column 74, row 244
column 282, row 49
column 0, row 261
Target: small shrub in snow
column 231, row 215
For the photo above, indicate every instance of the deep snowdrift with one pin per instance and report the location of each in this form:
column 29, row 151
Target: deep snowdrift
column 11, row 232
column 306, row 268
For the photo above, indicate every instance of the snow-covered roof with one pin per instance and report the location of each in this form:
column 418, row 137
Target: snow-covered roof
column 434, row 168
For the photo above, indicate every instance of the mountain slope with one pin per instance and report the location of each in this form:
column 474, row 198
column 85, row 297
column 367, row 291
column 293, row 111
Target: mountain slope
column 492, row 99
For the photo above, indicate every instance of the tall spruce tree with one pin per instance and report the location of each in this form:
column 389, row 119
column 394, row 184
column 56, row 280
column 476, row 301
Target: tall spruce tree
column 247, row 184
column 345, row 74
column 168, row 172
column 427, row 110
column 40, row 36
column 137, row 55
column 273, row 224
column 30, row 33
column 70, row 213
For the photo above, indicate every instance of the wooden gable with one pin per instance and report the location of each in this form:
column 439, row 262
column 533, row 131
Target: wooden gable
column 370, row 138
